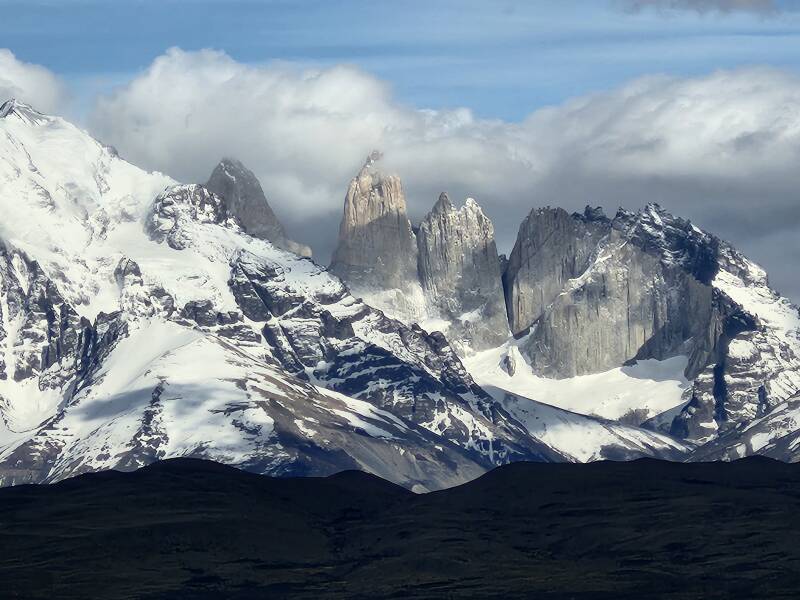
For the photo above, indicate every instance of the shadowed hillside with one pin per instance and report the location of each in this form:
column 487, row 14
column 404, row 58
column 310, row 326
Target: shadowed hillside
column 602, row 530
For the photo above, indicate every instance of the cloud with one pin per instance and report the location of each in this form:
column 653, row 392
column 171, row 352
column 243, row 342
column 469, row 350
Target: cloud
column 703, row 6
column 30, row 83
column 723, row 149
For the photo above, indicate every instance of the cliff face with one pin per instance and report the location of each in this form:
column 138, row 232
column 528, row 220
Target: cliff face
column 596, row 293
column 552, row 247
column 377, row 248
column 586, row 294
column 460, row 273
column 581, row 294
column 246, row 201
column 446, row 276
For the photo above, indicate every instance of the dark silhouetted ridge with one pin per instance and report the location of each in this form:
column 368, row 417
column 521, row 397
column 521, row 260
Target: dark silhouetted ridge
column 608, row 530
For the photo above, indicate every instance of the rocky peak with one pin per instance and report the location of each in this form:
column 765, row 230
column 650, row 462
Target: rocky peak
column 591, row 214
column 599, row 293
column 177, row 209
column 674, row 240
column 460, row 274
column 594, row 294
column 245, row 199
column 377, row 247
column 443, row 204
column 7, row 107
column 552, row 247
column 22, row 111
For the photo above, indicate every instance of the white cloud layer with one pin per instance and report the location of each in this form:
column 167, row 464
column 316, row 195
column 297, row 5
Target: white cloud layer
column 30, row 83
column 723, row 149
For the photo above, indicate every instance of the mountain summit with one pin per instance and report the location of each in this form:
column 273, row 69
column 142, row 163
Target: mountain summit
column 446, row 276
column 245, row 199
column 143, row 319
column 588, row 308
column 21, row 111
column 377, row 248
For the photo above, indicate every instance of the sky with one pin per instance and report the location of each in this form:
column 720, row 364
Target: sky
column 694, row 104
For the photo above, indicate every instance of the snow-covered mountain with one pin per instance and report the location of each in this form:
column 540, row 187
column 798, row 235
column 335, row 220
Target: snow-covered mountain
column 140, row 321
column 142, row 318
column 641, row 319
column 641, row 291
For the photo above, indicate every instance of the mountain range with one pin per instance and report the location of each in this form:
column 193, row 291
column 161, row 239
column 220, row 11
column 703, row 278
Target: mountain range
column 143, row 318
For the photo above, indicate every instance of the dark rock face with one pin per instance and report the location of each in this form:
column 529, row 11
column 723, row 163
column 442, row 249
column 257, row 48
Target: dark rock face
column 245, row 199
column 201, row 312
column 775, row 433
column 50, row 346
column 179, row 205
column 353, row 349
column 43, row 332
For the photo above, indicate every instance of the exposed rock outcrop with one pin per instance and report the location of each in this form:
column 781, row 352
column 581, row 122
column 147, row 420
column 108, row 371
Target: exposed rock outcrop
column 552, row 247
column 39, row 331
column 377, row 247
column 181, row 204
column 589, row 294
column 134, row 329
column 596, row 293
column 327, row 336
column 245, row 199
column 460, row 274
column 445, row 274
column 376, row 254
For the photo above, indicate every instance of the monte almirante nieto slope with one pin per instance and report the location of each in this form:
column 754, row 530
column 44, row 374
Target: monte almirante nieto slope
column 143, row 319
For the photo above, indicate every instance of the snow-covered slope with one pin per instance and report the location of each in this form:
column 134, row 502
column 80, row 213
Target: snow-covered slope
column 167, row 390
column 631, row 393
column 139, row 321
column 751, row 392
column 584, row 439
column 63, row 195
column 125, row 342
column 647, row 319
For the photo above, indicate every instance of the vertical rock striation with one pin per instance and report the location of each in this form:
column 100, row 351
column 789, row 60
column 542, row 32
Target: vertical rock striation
column 376, row 254
column 552, row 247
column 460, row 274
column 446, row 276
column 377, row 247
column 596, row 293
column 587, row 294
